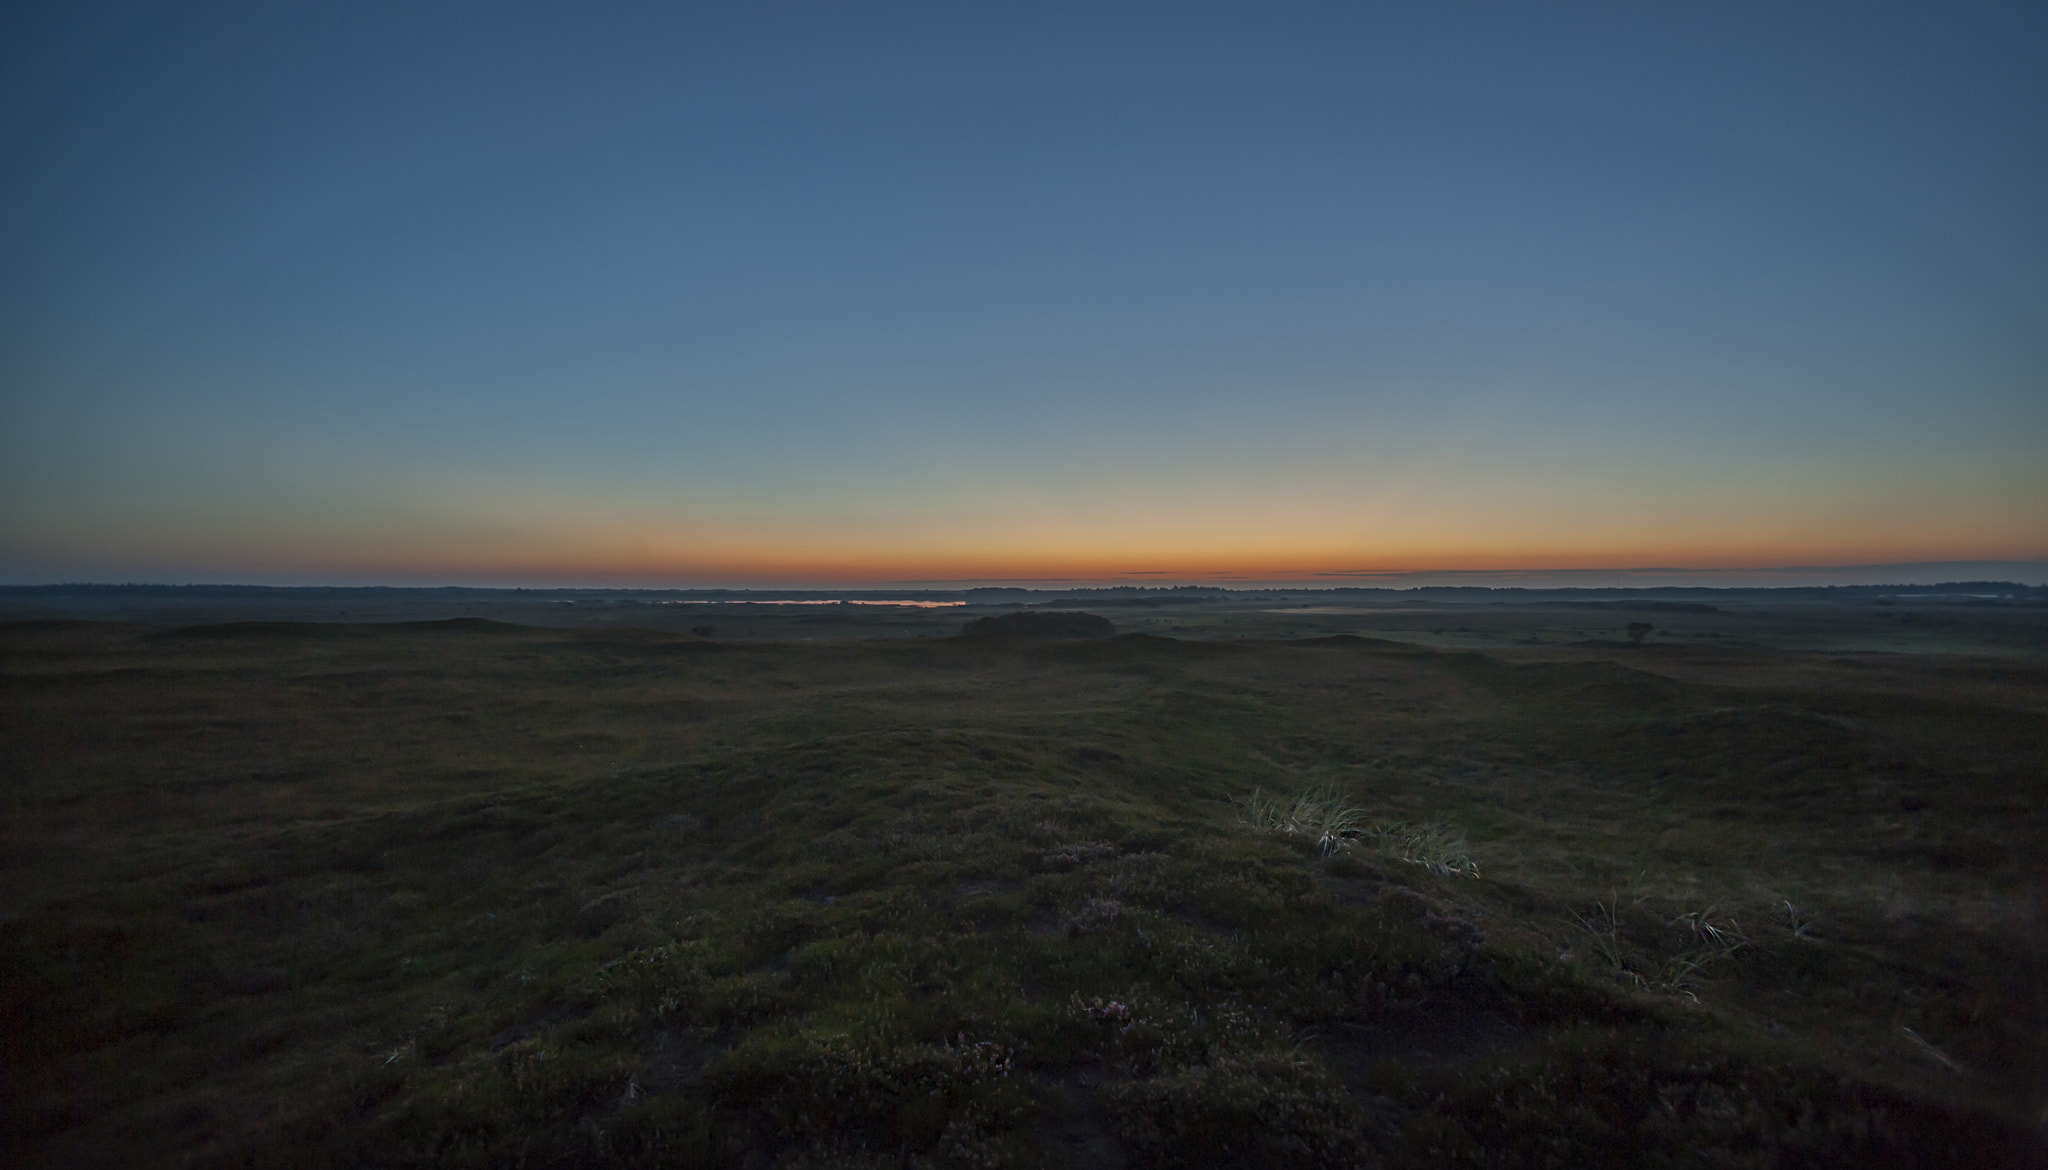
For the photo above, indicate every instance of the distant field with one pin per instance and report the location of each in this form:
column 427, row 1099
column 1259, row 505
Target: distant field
column 1772, row 619
column 1248, row 884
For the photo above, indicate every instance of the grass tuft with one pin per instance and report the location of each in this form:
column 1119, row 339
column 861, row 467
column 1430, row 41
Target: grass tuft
column 1318, row 815
column 1324, row 819
column 1432, row 845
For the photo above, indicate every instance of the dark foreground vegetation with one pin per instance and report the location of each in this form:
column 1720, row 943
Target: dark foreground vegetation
column 477, row 894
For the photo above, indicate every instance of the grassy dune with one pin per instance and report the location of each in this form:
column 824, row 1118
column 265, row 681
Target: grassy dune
column 470, row 893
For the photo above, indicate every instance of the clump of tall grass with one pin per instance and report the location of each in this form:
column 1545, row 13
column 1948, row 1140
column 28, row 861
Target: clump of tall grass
column 1318, row 814
column 1709, row 938
column 1435, row 847
column 1323, row 817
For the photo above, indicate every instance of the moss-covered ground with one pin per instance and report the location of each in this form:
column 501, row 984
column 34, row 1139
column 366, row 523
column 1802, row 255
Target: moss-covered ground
column 466, row 894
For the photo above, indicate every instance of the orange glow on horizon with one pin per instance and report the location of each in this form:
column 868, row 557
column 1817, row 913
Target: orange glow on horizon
column 583, row 542
column 792, row 567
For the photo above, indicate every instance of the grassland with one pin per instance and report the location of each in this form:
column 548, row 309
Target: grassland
column 1484, row 889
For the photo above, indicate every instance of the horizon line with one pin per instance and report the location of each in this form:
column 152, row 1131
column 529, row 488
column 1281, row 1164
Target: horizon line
column 2031, row 573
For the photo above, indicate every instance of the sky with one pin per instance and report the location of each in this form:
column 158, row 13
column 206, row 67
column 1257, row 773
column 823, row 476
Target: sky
column 859, row 293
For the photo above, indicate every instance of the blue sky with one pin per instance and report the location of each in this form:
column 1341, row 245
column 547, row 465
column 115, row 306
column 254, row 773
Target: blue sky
column 763, row 293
